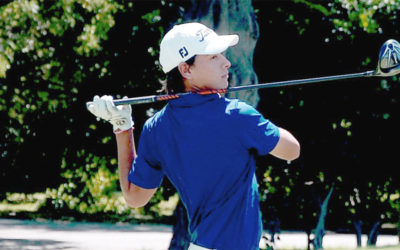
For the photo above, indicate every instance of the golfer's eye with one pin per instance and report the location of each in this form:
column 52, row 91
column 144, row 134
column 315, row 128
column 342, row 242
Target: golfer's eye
column 214, row 57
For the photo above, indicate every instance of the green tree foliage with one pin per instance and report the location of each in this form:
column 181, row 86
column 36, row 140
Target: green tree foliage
column 347, row 129
column 56, row 55
column 46, row 42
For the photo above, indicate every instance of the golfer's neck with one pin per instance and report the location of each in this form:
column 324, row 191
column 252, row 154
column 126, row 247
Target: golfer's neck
column 190, row 86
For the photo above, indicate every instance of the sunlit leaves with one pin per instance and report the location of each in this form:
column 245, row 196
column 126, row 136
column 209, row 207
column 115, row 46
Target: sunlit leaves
column 32, row 35
column 49, row 52
column 364, row 12
column 351, row 16
column 101, row 22
column 20, row 26
column 4, row 65
column 152, row 17
column 24, row 25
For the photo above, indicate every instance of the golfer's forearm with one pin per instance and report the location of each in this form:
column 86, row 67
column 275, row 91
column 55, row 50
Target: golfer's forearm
column 126, row 155
column 135, row 196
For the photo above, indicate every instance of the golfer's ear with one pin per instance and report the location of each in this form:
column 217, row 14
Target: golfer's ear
column 185, row 71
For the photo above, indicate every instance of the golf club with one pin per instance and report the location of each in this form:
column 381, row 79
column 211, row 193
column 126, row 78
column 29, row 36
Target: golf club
column 388, row 65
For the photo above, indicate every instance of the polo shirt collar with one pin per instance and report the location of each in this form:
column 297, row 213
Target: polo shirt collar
column 193, row 99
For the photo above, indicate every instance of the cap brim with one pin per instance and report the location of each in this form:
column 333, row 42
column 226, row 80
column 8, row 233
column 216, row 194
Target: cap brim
column 219, row 44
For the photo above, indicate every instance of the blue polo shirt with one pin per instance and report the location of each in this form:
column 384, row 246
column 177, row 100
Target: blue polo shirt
column 205, row 145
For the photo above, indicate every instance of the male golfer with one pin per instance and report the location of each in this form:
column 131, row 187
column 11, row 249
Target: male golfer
column 204, row 144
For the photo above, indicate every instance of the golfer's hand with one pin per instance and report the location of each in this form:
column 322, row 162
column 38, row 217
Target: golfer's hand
column 119, row 116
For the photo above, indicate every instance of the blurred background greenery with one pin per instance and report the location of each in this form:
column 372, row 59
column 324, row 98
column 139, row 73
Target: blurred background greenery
column 58, row 162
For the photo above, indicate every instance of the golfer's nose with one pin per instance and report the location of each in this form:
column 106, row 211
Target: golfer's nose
column 227, row 64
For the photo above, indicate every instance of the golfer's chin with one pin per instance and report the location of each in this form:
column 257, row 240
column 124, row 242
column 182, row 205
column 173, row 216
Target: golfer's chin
column 223, row 85
column 215, row 86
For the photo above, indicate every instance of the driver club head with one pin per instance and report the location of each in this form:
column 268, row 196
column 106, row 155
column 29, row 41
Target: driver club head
column 389, row 59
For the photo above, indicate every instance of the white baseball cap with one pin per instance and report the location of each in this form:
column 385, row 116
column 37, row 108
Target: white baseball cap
column 184, row 41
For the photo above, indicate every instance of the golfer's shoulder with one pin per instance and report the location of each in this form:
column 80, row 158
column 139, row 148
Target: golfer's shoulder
column 240, row 108
column 154, row 120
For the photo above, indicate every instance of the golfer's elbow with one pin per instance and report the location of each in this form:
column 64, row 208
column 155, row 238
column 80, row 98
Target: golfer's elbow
column 138, row 197
column 287, row 148
column 132, row 203
column 289, row 153
column 294, row 152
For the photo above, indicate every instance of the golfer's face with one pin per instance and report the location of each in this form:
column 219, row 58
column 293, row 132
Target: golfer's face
column 211, row 71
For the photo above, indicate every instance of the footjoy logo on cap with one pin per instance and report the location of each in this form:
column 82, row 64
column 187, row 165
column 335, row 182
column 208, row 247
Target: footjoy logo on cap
column 183, row 52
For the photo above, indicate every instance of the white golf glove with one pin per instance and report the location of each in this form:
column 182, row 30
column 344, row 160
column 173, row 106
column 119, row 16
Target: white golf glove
column 119, row 116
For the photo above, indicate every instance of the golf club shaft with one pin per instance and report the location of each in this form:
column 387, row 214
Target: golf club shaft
column 156, row 98
column 302, row 81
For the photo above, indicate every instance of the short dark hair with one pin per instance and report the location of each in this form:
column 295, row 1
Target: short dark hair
column 174, row 82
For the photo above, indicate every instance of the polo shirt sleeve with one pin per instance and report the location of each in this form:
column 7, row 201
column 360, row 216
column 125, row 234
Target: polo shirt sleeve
column 256, row 132
column 146, row 171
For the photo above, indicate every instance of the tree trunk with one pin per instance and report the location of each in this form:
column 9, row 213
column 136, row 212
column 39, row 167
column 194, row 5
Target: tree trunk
column 226, row 17
column 357, row 226
column 320, row 229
